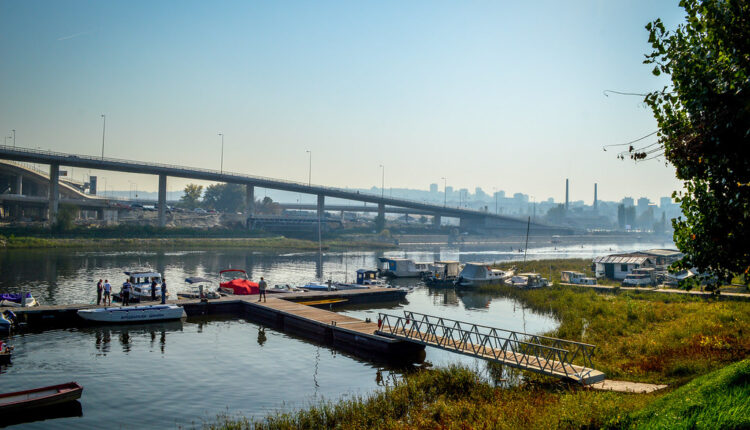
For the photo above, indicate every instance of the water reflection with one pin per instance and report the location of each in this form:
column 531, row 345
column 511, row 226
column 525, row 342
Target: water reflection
column 128, row 334
column 261, row 335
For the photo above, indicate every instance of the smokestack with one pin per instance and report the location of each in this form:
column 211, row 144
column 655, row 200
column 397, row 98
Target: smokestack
column 566, row 194
column 595, row 200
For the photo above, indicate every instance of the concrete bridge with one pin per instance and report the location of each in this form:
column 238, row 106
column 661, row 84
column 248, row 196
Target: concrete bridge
column 470, row 219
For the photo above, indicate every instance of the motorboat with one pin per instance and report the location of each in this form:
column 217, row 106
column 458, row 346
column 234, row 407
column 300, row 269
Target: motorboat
column 637, row 280
column 349, row 286
column 577, row 278
column 443, row 274
column 16, row 300
column 141, row 280
column 8, row 320
column 528, row 280
column 40, row 397
column 476, row 274
column 126, row 314
column 318, row 286
column 236, row 281
column 402, row 268
column 283, row 288
column 199, row 288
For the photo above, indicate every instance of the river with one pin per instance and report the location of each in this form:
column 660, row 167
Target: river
column 181, row 374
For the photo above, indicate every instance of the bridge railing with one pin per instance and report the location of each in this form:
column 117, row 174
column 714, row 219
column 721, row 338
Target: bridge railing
column 534, row 352
column 50, row 153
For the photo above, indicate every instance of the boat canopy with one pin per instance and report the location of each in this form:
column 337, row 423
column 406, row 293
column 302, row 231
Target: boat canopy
column 474, row 271
column 196, row 280
column 138, row 274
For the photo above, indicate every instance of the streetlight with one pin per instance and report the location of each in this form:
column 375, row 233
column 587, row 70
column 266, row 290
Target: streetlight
column 14, row 137
column 382, row 183
column 222, row 152
column 104, row 127
column 445, row 192
column 309, row 168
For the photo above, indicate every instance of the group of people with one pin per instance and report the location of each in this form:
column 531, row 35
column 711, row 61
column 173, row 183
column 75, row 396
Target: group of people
column 104, row 292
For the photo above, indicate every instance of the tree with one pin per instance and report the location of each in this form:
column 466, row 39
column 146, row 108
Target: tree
column 268, row 207
column 192, row 195
column 704, row 124
column 225, row 197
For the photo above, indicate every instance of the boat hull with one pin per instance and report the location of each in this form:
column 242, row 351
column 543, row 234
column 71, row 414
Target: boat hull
column 40, row 397
column 133, row 314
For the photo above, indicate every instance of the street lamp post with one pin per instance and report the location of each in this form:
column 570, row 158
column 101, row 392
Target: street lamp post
column 104, row 127
column 382, row 183
column 222, row 153
column 445, row 192
column 14, row 137
column 309, row 167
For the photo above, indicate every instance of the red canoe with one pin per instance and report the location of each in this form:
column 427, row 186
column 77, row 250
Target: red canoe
column 39, row 397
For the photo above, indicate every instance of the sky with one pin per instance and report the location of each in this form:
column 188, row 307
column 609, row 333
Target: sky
column 493, row 94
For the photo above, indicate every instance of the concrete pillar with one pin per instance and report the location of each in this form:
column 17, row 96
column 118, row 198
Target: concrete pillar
column 249, row 200
column 436, row 220
column 321, row 206
column 162, row 200
column 54, row 192
column 381, row 210
column 19, row 184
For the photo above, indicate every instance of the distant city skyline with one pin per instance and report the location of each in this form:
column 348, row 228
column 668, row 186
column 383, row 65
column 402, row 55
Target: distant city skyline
column 490, row 95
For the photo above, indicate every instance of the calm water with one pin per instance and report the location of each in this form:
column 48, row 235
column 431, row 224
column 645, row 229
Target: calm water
column 181, row 374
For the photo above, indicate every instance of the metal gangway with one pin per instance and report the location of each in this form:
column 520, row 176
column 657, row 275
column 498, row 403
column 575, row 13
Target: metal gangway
column 541, row 354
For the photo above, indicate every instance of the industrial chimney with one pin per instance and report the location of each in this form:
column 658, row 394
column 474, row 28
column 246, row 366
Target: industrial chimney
column 566, row 194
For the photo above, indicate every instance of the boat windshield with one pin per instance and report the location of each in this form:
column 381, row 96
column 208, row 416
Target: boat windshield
column 229, row 275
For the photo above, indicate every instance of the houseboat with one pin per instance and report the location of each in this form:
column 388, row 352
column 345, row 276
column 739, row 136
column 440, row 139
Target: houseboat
column 402, row 268
column 579, row 278
column 528, row 281
column 443, row 273
column 475, row 274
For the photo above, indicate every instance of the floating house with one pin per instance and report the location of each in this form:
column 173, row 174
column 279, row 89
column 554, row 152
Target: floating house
column 618, row 266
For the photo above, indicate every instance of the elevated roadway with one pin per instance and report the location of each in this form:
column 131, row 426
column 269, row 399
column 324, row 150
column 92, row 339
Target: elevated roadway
column 470, row 219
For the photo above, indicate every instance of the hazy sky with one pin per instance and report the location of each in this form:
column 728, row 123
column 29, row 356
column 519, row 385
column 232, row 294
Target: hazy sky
column 502, row 95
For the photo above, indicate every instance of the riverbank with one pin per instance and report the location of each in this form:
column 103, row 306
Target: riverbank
column 653, row 338
column 260, row 243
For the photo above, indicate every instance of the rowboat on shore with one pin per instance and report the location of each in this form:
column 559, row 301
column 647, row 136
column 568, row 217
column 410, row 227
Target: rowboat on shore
column 40, row 397
column 128, row 314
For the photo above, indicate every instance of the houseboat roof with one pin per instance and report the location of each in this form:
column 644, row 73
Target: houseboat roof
column 661, row 252
column 621, row 259
column 366, row 271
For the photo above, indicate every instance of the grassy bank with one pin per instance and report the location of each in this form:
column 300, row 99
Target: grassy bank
column 648, row 337
column 259, row 243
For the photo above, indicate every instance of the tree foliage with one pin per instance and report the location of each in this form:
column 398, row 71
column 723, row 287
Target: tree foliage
column 192, row 195
column 704, row 130
column 225, row 197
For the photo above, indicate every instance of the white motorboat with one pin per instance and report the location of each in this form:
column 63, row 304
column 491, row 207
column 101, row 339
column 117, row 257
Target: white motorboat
column 318, row 286
column 15, row 300
column 199, row 288
column 283, row 288
column 141, row 283
column 528, row 280
column 133, row 313
column 475, row 274
column 578, row 278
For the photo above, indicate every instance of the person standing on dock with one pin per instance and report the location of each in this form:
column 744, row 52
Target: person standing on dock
column 99, row 289
column 262, row 285
column 107, row 293
column 153, row 289
column 163, row 291
column 125, row 293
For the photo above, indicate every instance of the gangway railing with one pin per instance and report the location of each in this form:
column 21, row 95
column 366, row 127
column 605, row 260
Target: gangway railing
column 561, row 358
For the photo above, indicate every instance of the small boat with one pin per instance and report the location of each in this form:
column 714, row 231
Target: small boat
column 318, row 286
column 475, row 274
column 127, row 314
column 570, row 277
column 40, row 397
column 141, row 282
column 236, row 281
column 443, row 274
column 528, row 280
column 369, row 277
column 200, row 288
column 6, row 352
column 17, row 300
column 283, row 288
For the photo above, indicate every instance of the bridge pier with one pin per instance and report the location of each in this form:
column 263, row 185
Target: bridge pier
column 249, row 202
column 436, row 220
column 162, row 200
column 321, row 207
column 19, row 184
column 54, row 192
